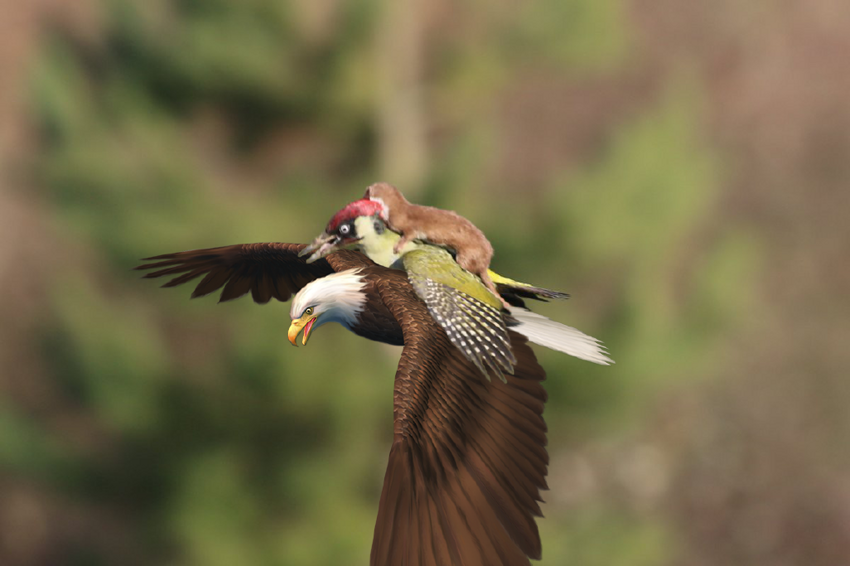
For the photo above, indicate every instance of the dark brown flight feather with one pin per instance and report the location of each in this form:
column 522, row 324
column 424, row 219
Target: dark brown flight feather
column 468, row 459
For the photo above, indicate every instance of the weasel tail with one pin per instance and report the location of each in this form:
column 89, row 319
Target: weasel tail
column 545, row 332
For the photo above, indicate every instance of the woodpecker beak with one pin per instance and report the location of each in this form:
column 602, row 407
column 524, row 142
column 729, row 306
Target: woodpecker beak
column 320, row 247
column 325, row 244
column 305, row 322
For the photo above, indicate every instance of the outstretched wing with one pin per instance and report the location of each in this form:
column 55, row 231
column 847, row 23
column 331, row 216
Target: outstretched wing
column 266, row 270
column 468, row 458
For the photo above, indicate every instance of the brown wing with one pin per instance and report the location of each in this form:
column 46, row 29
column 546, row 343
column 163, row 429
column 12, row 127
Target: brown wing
column 468, row 458
column 266, row 270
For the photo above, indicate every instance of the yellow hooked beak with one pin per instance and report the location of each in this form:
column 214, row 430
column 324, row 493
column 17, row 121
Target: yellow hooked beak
column 305, row 322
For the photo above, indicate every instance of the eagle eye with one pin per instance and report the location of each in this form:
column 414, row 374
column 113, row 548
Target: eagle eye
column 308, row 311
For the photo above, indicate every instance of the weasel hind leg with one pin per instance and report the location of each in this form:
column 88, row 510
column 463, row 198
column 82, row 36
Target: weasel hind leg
column 485, row 278
column 477, row 264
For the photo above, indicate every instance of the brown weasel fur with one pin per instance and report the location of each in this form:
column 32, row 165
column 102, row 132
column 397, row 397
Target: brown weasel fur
column 437, row 226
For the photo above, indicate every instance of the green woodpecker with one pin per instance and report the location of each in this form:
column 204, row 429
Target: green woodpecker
column 474, row 318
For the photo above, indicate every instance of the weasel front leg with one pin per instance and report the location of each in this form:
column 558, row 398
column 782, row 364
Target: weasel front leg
column 405, row 239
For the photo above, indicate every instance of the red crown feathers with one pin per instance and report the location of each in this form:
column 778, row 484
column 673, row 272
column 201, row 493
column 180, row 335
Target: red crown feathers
column 362, row 207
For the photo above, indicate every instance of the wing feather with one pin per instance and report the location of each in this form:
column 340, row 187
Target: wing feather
column 239, row 284
column 468, row 458
column 212, row 281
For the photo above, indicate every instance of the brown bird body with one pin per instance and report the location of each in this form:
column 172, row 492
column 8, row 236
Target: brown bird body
column 446, row 228
column 468, row 458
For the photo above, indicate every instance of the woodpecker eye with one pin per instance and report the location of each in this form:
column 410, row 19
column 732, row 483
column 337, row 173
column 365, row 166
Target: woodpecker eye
column 345, row 229
column 379, row 227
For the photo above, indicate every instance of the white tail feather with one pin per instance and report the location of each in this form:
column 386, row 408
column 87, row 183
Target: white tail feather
column 546, row 332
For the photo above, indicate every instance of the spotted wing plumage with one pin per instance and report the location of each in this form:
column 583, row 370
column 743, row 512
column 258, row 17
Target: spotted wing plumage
column 476, row 329
column 469, row 313
column 468, row 459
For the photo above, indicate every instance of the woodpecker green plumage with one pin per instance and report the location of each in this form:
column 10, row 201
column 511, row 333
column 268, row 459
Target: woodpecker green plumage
column 475, row 327
column 458, row 300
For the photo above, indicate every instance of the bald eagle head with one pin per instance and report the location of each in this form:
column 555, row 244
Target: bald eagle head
column 337, row 297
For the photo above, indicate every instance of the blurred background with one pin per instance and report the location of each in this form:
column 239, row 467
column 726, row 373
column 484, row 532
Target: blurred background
column 681, row 168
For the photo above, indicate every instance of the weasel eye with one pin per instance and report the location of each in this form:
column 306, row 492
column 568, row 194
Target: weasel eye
column 345, row 229
column 308, row 311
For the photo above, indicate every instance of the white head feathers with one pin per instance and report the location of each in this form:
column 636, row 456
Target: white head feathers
column 338, row 297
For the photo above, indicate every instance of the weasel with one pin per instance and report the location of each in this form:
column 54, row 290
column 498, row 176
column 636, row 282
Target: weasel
column 473, row 251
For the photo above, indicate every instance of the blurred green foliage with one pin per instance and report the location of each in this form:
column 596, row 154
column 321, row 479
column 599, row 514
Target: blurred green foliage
column 649, row 195
column 231, row 447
